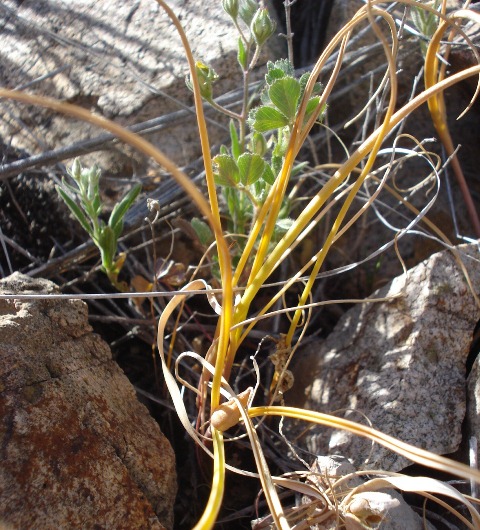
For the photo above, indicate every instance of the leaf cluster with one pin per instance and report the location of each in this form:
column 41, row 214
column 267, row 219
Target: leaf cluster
column 281, row 98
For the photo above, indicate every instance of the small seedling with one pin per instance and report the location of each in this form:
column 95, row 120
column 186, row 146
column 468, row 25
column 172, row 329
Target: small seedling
column 84, row 201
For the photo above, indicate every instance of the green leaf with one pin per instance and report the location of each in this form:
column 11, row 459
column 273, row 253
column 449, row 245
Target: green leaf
column 284, row 94
column 225, row 171
column 72, row 189
column 268, row 175
column 247, row 10
column 236, row 148
column 283, row 225
column 259, row 189
column 75, row 209
column 281, row 145
column 312, row 106
column 278, row 70
column 251, row 168
column 121, row 208
column 97, row 205
column 231, row 196
column 284, row 209
column 223, row 150
column 204, row 234
column 297, row 169
column 277, row 162
column 118, row 229
column 107, row 243
column 267, row 118
column 242, row 54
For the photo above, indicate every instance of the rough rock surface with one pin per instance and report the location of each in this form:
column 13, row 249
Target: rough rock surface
column 399, row 363
column 121, row 59
column 386, row 509
column 77, row 448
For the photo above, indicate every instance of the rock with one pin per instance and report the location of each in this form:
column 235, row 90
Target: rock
column 122, row 59
column 382, row 510
column 400, row 364
column 336, row 478
column 77, row 448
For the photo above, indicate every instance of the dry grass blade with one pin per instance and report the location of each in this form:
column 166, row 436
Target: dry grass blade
column 417, row 455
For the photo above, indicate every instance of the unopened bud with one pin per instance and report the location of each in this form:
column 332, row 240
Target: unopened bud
column 206, row 77
column 262, row 26
column 76, row 169
column 231, row 8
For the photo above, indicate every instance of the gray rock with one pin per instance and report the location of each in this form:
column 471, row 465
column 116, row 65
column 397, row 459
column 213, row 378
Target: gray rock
column 77, row 448
column 400, row 363
column 382, row 510
column 122, row 59
column 473, row 412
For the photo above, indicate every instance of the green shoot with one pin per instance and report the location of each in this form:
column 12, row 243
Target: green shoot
column 84, row 201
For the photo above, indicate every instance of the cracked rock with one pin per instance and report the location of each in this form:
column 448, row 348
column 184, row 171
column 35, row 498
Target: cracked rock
column 77, row 448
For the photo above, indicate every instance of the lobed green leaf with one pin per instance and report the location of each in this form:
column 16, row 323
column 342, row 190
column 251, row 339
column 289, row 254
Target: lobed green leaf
column 284, row 94
column 268, row 175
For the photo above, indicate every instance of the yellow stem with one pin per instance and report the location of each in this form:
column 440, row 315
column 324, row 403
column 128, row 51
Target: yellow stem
column 436, row 105
column 214, row 503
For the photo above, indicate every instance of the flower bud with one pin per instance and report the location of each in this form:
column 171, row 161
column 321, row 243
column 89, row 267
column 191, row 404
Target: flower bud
column 262, row 26
column 231, row 8
column 206, row 77
column 247, row 10
column 258, row 144
column 76, row 169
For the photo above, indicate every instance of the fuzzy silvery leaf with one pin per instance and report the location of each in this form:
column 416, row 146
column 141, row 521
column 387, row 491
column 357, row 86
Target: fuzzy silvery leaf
column 283, row 225
column 278, row 70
